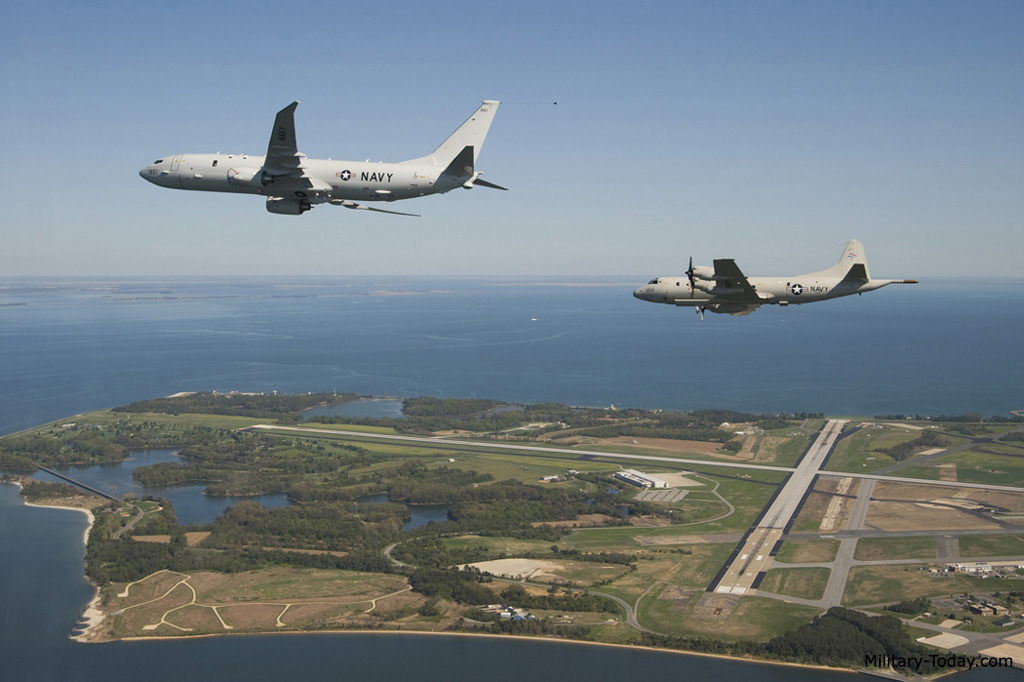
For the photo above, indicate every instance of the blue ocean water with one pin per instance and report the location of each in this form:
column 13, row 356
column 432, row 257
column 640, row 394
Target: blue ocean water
column 945, row 346
column 69, row 346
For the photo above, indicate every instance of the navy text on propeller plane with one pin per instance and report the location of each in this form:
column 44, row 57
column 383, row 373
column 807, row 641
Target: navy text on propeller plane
column 724, row 289
column 293, row 183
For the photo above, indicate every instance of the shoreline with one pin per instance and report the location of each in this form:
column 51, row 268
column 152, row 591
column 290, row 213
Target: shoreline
column 435, row 633
column 91, row 615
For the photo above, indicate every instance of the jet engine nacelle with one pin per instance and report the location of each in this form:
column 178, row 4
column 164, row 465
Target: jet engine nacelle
column 287, row 206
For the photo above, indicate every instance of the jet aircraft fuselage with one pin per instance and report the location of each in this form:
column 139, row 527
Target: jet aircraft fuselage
column 293, row 183
column 351, row 180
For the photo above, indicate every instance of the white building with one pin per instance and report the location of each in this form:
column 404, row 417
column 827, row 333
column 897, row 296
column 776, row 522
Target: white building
column 639, row 479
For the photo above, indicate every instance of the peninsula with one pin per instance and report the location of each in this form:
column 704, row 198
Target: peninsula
column 860, row 543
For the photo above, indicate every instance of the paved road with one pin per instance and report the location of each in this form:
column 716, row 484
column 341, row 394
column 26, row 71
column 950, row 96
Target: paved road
column 128, row 526
column 630, row 615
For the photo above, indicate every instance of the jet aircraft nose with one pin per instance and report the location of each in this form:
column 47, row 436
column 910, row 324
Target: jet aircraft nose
column 157, row 172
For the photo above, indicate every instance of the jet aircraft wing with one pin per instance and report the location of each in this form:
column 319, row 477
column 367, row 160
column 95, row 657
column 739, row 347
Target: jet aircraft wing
column 283, row 163
column 283, row 155
column 729, row 276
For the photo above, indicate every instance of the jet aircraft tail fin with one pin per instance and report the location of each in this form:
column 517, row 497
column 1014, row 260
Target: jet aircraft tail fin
column 852, row 265
column 470, row 134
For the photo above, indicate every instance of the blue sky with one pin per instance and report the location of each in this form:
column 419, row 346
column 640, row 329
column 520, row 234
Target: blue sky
column 771, row 132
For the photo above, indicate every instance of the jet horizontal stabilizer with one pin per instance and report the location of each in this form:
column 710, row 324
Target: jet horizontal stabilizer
column 484, row 183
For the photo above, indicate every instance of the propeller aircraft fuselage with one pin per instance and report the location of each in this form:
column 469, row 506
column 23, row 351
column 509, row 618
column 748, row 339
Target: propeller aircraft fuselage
column 293, row 184
column 723, row 288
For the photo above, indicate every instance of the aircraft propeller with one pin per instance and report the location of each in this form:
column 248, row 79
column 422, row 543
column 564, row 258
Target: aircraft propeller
column 689, row 274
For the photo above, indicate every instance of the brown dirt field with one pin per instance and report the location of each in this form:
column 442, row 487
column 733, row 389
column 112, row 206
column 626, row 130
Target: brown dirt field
column 193, row 539
column 650, row 540
column 821, row 496
column 250, row 616
column 902, row 516
column 159, row 539
column 581, row 521
column 195, row 617
column 812, row 551
column 746, row 450
column 769, row 448
column 674, row 446
column 308, row 551
column 133, row 621
column 302, row 615
column 925, row 492
column 897, row 507
column 251, row 601
column 649, row 522
column 208, row 582
column 150, row 588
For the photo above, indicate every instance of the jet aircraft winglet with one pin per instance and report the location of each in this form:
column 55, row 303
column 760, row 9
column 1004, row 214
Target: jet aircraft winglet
column 723, row 288
column 293, row 183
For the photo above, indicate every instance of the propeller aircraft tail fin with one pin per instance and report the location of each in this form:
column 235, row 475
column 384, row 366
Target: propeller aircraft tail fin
column 853, row 264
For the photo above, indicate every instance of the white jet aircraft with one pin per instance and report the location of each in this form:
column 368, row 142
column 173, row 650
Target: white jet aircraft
column 293, row 184
column 724, row 289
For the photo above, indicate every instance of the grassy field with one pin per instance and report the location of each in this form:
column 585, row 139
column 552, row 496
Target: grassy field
column 806, row 583
column 887, row 584
column 878, row 549
column 858, row 452
column 364, row 428
column 276, row 599
column 1011, row 544
column 755, row 618
column 807, row 551
column 656, row 572
column 179, row 422
column 985, row 467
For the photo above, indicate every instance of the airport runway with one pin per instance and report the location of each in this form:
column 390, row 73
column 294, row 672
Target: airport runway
column 754, row 556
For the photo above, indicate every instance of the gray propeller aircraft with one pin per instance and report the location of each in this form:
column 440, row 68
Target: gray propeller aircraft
column 293, row 184
column 722, row 288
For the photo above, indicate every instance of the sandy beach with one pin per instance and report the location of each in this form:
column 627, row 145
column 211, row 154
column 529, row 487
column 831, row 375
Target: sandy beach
column 550, row 640
column 91, row 616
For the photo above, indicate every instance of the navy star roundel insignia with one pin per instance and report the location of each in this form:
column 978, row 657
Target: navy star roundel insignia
column 345, row 175
column 797, row 289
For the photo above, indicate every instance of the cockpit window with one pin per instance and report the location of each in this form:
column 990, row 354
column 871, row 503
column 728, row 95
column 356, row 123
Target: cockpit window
column 654, row 281
column 158, row 161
